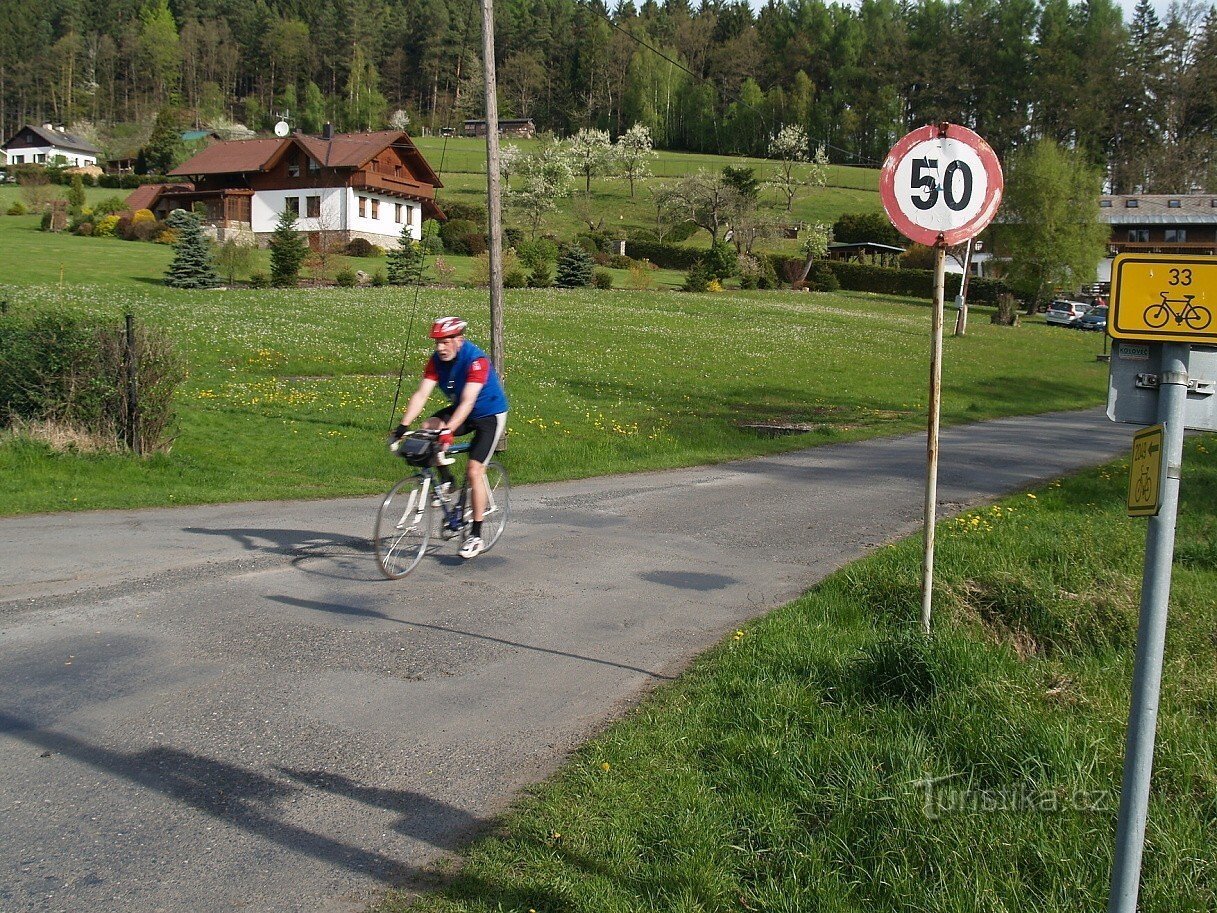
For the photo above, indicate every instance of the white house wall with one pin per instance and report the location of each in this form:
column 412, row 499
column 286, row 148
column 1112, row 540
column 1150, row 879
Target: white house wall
column 339, row 212
column 386, row 223
column 29, row 156
column 267, row 206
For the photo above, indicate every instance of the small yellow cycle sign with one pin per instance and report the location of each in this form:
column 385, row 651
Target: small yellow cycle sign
column 1163, row 298
column 1145, row 473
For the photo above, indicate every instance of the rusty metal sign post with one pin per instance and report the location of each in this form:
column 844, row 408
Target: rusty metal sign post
column 940, row 186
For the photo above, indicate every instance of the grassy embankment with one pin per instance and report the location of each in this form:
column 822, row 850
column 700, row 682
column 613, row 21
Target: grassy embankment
column 289, row 391
column 826, row 758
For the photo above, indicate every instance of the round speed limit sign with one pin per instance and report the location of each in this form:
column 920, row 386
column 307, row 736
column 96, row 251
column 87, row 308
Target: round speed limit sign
column 941, row 184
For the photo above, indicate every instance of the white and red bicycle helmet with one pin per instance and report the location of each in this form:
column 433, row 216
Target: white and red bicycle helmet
column 443, row 327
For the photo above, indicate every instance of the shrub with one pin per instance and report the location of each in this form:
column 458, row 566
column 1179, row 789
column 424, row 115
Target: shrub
column 475, row 243
column 721, row 260
column 70, row 371
column 361, row 247
column 513, row 237
column 821, row 278
column 698, row 278
column 445, row 272
column 167, row 236
column 345, row 278
column 542, row 276
column 640, row 274
column 534, row 254
column 454, row 232
column 45, row 223
column 474, row 213
column 84, row 229
column 603, row 279
column 17, row 209
column 104, row 227
column 432, row 242
column 259, row 280
column 378, row 279
column 515, row 278
column 407, row 262
column 575, row 267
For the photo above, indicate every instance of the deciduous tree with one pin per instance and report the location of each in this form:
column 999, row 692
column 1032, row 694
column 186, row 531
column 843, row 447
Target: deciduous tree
column 1050, row 226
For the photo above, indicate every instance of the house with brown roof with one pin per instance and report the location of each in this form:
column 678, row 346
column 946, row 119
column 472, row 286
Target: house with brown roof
column 339, row 186
column 49, row 145
column 1159, row 223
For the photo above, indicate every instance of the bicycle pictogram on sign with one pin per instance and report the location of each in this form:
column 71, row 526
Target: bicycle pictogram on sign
column 1160, row 312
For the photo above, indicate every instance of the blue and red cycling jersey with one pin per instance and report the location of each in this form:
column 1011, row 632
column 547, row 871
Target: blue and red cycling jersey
column 471, row 366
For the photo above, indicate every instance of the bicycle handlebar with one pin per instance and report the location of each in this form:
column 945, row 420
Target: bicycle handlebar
column 431, row 434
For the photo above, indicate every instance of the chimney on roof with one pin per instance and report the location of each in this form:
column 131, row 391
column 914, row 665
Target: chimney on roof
column 328, row 131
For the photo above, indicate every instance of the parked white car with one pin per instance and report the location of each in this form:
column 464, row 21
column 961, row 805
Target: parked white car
column 1066, row 313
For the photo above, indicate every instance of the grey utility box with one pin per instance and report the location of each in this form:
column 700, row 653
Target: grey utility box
column 1132, row 394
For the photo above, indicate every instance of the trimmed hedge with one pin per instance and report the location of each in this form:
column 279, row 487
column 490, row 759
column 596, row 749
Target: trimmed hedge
column 665, row 256
column 915, row 283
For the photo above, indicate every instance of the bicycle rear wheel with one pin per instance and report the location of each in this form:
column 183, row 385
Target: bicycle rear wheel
column 403, row 526
column 498, row 503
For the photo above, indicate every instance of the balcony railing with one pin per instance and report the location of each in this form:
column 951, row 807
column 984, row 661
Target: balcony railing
column 1163, row 247
column 384, row 183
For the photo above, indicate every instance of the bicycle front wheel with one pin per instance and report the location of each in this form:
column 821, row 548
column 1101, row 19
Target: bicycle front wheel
column 403, row 526
column 498, row 504
column 1157, row 315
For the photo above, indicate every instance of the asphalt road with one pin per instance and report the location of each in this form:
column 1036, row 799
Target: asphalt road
column 226, row 708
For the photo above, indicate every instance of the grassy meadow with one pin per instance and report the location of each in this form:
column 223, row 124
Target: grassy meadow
column 289, row 391
column 825, row 758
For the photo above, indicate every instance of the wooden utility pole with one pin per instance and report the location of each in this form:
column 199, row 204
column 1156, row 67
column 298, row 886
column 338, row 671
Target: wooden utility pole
column 494, row 208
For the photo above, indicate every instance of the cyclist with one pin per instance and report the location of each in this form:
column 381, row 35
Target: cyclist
column 477, row 405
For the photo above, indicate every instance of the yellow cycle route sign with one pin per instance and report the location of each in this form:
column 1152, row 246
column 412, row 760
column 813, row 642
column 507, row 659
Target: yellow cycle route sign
column 1145, row 473
column 1163, row 298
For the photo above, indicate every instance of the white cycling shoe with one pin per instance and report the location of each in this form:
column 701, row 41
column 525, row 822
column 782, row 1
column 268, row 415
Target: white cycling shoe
column 473, row 547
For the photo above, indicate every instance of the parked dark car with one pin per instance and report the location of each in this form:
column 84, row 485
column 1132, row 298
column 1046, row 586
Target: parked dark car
column 1095, row 320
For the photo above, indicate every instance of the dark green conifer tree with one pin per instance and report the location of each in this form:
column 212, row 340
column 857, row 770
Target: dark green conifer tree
column 407, row 263
column 287, row 251
column 191, row 266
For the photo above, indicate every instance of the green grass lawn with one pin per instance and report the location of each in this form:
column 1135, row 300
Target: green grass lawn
column 827, row 758
column 289, row 392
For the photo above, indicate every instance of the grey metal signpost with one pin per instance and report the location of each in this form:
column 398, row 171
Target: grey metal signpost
column 1151, row 638
column 1160, row 316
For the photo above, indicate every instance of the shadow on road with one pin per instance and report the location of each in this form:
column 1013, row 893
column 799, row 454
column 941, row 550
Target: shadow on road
column 248, row 800
column 345, row 557
column 340, row 609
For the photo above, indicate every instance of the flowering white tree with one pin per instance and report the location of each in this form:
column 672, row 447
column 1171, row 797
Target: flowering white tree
column 634, row 153
column 590, row 151
column 790, row 146
column 400, row 120
column 509, row 158
column 543, row 178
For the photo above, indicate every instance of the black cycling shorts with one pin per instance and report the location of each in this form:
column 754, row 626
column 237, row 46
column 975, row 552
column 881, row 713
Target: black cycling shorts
column 486, row 432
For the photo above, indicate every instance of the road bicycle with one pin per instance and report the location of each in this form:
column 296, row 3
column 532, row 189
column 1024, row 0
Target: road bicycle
column 421, row 506
column 1194, row 315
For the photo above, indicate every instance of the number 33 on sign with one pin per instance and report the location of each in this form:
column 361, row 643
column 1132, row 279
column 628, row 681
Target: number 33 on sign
column 941, row 185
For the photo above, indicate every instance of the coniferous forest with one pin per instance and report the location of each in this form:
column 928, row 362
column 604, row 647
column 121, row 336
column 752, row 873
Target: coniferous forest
column 1137, row 97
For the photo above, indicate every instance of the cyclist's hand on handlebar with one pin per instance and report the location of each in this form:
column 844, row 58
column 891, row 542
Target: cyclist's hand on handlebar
column 445, row 438
column 396, row 435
